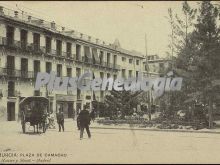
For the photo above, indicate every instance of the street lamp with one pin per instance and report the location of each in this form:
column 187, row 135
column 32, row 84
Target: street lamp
column 146, row 64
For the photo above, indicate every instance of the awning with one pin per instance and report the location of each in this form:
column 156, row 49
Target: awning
column 87, row 52
column 95, row 55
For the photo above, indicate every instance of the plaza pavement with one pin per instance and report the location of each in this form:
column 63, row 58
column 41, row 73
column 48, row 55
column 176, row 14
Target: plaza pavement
column 111, row 145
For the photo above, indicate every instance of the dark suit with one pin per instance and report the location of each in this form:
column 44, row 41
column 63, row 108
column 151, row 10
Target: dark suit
column 60, row 120
column 83, row 122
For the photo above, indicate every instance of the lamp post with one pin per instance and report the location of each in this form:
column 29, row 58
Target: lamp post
column 147, row 65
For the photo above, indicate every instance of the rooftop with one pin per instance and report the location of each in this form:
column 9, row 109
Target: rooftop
column 28, row 18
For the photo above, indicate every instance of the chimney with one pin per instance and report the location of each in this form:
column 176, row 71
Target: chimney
column 81, row 35
column 97, row 40
column 16, row 14
column 89, row 38
column 1, row 10
column 103, row 42
column 29, row 18
column 53, row 25
column 63, row 29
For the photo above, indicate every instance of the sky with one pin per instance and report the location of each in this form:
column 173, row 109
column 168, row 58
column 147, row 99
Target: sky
column 124, row 20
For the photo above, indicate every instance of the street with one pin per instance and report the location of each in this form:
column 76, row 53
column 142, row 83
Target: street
column 112, row 146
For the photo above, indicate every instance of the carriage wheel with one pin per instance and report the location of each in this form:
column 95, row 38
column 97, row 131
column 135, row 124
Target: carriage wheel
column 23, row 123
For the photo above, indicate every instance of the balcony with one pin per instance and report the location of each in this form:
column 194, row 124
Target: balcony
column 16, row 73
column 10, row 43
column 30, row 48
column 90, row 61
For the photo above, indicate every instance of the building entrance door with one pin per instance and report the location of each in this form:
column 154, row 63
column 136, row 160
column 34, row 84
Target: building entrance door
column 11, row 111
column 70, row 110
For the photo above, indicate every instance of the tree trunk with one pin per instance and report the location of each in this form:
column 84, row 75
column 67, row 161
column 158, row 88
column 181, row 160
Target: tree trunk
column 149, row 113
column 210, row 113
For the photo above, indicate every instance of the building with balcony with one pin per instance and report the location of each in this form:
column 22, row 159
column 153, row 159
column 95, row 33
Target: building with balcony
column 29, row 45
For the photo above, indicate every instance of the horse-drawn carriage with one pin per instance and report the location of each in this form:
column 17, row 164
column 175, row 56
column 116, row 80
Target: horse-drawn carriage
column 34, row 110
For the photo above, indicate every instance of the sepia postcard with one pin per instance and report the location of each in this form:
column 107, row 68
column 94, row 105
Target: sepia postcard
column 109, row 82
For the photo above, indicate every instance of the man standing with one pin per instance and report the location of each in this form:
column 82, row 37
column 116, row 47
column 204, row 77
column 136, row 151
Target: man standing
column 60, row 120
column 83, row 122
column 92, row 115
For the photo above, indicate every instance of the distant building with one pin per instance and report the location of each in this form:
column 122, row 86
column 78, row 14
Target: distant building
column 157, row 65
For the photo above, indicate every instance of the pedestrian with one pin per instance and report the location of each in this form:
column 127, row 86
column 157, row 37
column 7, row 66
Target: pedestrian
column 74, row 113
column 60, row 120
column 51, row 120
column 92, row 115
column 83, row 122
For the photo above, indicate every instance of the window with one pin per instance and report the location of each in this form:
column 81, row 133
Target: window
column 23, row 36
column 59, row 47
column 69, row 72
column 78, row 72
column 115, row 61
column 101, row 92
column 11, row 88
column 108, row 75
column 123, row 59
column 101, row 57
column 48, row 67
column 101, row 95
column 10, row 65
column 137, row 73
column 36, row 41
column 37, row 93
column 130, row 61
column 59, row 70
column 78, row 52
column 48, row 44
column 115, row 76
column 108, row 58
column 137, row 62
column 87, row 54
column 101, row 75
column 130, row 73
column 68, row 49
column 78, row 94
column 10, row 35
column 123, row 73
column 36, row 67
column 24, row 67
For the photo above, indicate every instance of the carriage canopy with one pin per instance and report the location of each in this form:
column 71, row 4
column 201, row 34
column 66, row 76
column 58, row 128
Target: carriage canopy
column 38, row 99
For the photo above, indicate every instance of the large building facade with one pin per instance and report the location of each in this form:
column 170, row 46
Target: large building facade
column 29, row 45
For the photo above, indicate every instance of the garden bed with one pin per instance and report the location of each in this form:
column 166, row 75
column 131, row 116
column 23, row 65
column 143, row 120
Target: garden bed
column 143, row 123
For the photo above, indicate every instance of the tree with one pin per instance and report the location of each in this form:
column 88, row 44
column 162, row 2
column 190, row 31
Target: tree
column 123, row 101
column 200, row 56
column 206, row 36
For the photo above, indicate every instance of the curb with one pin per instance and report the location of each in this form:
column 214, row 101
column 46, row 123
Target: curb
column 159, row 130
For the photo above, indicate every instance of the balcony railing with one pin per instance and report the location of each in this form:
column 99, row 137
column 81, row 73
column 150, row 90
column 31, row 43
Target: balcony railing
column 42, row 50
column 16, row 73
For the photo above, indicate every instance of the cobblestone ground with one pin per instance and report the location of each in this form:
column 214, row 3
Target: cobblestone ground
column 111, row 146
